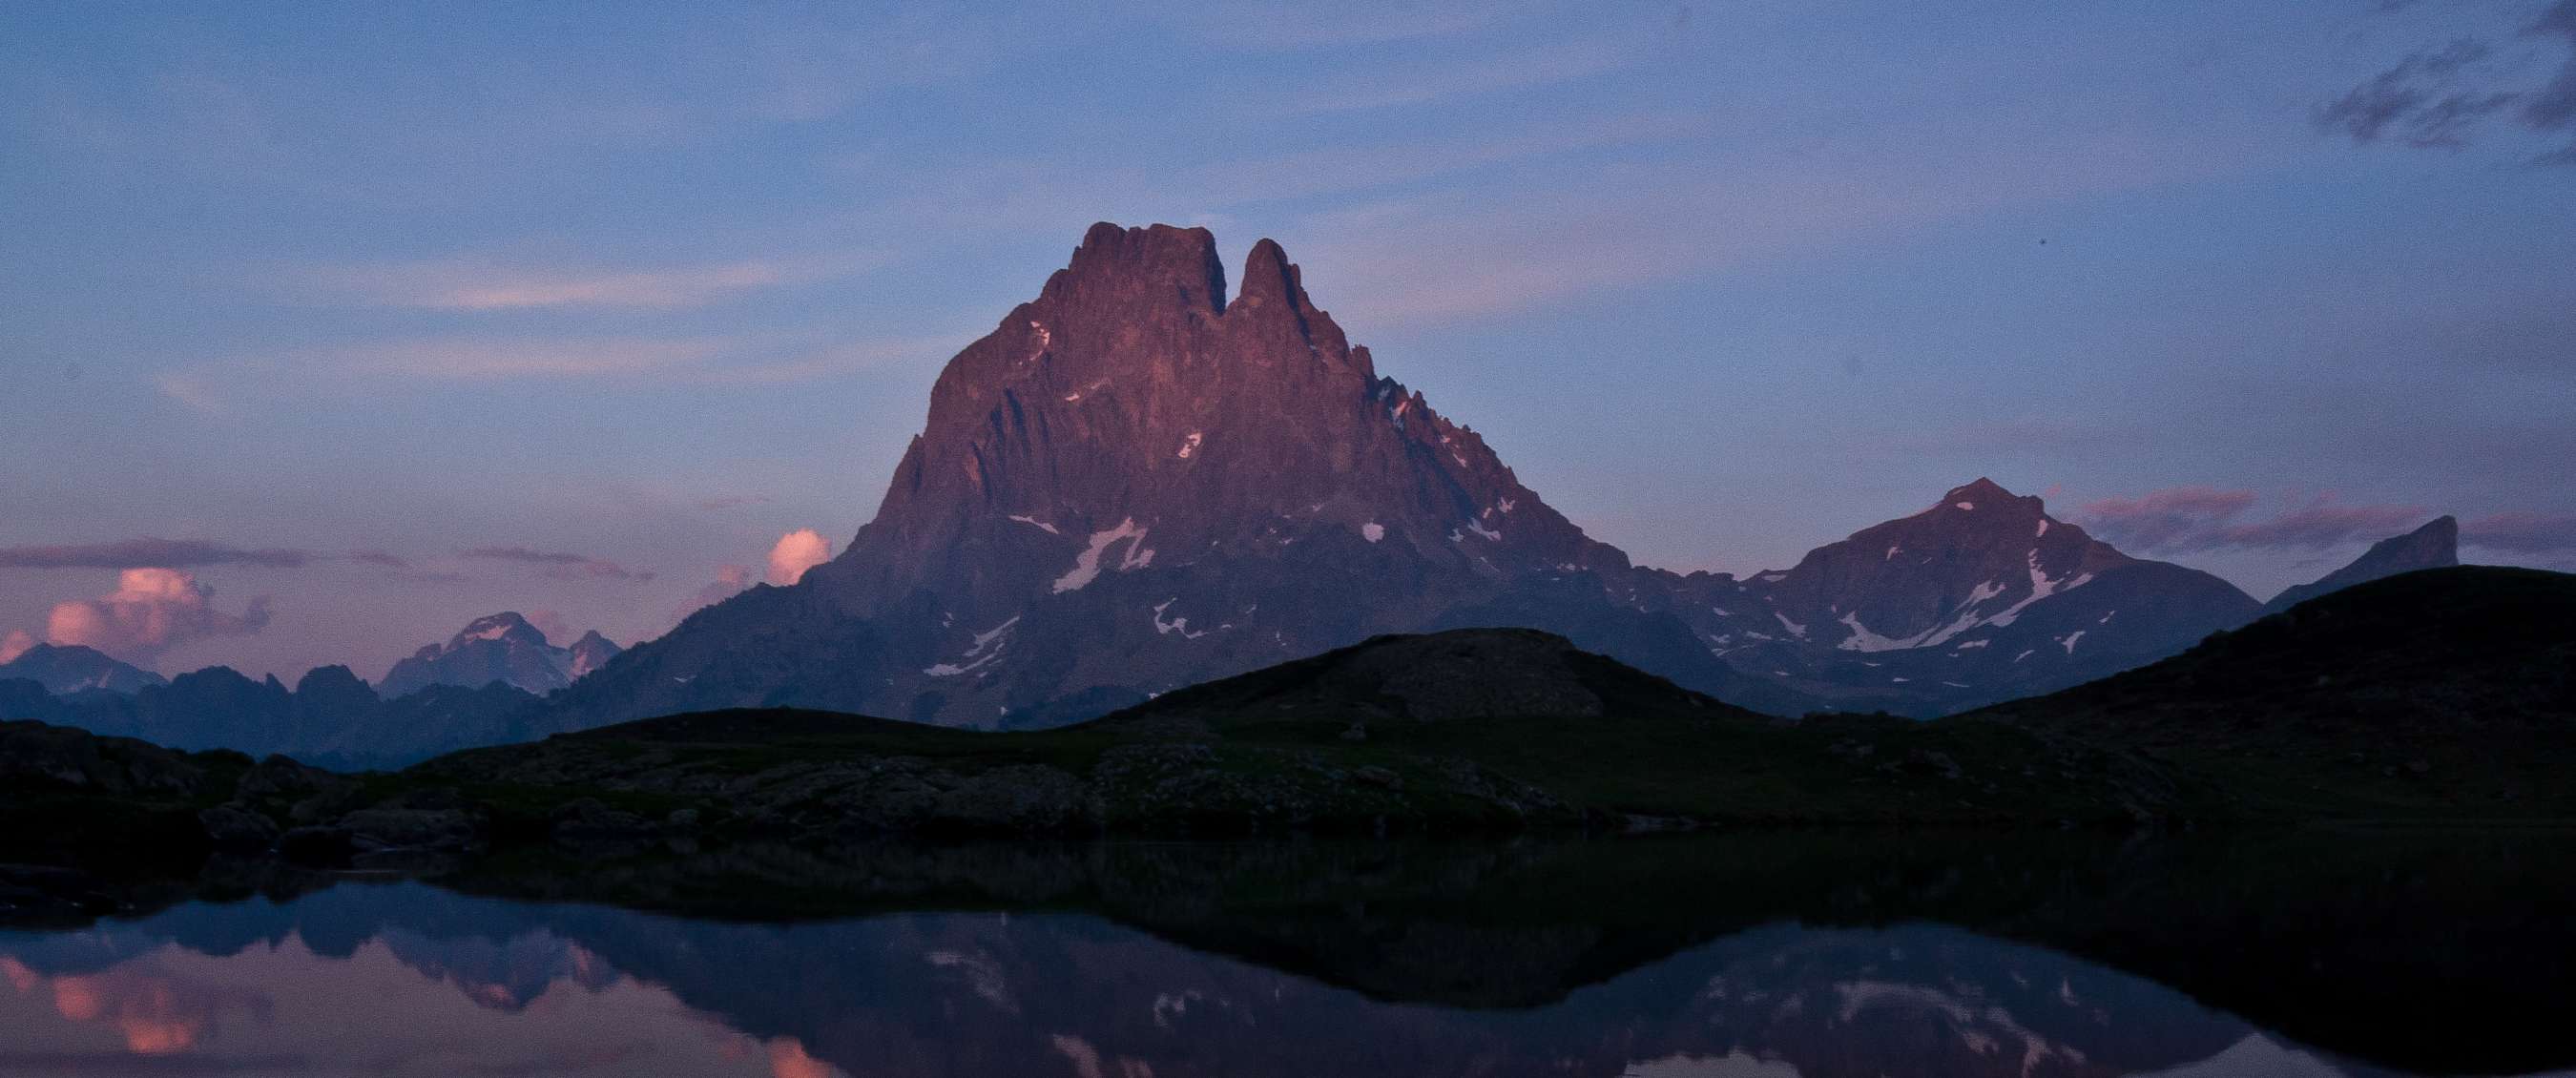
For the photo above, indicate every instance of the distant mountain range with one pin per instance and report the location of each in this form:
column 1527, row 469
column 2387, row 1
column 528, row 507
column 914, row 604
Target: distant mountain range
column 476, row 689
column 502, row 647
column 329, row 717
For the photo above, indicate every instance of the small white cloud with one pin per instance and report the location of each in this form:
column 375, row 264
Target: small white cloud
column 730, row 581
column 486, row 284
column 150, row 612
column 551, row 622
column 796, row 552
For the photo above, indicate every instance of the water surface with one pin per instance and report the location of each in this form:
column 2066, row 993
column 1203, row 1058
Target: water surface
column 1171, row 961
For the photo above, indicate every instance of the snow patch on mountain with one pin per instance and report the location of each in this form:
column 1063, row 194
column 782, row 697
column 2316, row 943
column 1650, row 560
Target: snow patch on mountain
column 1176, row 625
column 1086, row 565
column 987, row 647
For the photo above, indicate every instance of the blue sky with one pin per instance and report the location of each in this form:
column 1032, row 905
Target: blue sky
column 645, row 287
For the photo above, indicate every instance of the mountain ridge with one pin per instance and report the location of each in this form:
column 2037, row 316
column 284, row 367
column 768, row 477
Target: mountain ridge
column 1135, row 483
column 64, row 669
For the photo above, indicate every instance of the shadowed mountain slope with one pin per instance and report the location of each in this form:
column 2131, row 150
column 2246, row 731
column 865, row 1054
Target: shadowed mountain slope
column 2443, row 690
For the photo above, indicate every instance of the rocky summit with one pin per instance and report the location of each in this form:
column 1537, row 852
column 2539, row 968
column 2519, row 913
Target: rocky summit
column 1137, row 482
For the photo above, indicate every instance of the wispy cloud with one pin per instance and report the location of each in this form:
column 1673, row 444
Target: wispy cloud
column 398, row 567
column 2420, row 97
column 1033, row 193
column 559, row 565
column 2522, row 532
column 2443, row 97
column 484, row 361
column 731, row 580
column 1448, row 256
column 150, row 552
column 2176, row 518
column 1279, row 24
column 1554, row 63
column 2324, row 524
column 2200, row 519
column 220, row 387
column 489, row 284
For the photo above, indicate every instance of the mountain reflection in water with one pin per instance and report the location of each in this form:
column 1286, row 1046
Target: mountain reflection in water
column 408, row 978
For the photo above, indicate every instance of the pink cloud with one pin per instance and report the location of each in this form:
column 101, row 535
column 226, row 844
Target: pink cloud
column 2522, row 532
column 2194, row 519
column 796, row 552
column 148, row 552
column 2322, row 524
column 560, row 565
column 151, row 611
column 483, row 284
column 15, row 644
column 2173, row 519
column 730, row 581
column 551, row 622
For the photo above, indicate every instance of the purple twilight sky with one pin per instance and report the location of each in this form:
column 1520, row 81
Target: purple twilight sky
column 331, row 327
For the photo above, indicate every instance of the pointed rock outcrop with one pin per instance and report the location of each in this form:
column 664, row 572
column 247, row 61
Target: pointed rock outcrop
column 2436, row 545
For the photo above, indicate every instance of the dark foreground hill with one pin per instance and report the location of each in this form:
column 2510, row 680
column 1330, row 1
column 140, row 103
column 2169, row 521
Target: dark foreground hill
column 1469, row 729
column 2439, row 692
column 2442, row 695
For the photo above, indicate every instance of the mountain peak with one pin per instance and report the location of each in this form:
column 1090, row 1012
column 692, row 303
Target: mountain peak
column 508, row 624
column 590, row 653
column 1156, row 264
column 1268, row 276
column 70, row 668
column 1274, row 294
column 2435, row 545
column 1984, row 490
column 497, row 647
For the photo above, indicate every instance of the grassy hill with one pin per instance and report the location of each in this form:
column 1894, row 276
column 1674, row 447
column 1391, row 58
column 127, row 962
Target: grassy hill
column 2446, row 692
column 1470, row 729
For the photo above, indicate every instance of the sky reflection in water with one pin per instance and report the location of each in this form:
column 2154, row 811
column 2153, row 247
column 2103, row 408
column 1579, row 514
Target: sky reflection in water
column 406, row 979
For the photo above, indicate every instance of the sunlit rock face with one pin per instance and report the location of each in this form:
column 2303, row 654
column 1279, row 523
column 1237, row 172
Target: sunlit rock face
column 1137, row 482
